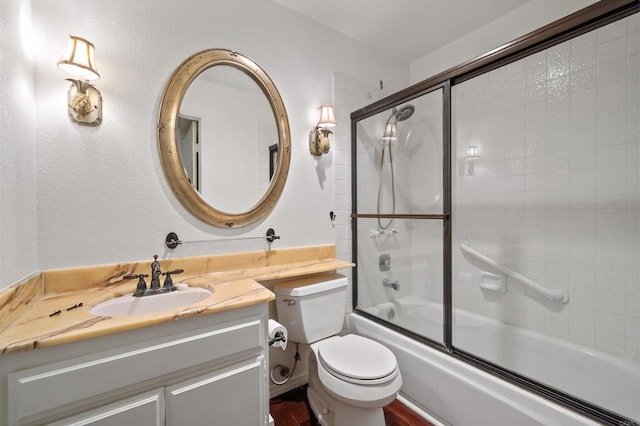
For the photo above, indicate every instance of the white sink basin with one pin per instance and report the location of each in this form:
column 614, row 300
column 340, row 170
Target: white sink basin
column 129, row 305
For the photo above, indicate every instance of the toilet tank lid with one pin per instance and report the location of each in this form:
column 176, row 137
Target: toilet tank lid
column 310, row 285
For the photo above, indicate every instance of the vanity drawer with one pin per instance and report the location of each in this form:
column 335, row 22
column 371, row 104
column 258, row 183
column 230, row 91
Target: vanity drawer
column 37, row 390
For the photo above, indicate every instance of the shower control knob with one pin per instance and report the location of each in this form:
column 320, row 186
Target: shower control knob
column 384, row 262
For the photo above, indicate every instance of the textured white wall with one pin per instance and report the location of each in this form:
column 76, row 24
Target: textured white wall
column 102, row 196
column 520, row 21
column 18, row 222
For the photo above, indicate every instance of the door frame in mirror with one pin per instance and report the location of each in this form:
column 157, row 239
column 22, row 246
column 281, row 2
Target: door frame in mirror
column 169, row 149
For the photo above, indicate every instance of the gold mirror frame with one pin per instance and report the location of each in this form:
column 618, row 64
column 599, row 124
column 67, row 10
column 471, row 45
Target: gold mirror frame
column 168, row 144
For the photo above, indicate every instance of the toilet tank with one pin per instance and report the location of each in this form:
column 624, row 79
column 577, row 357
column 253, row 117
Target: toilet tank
column 312, row 308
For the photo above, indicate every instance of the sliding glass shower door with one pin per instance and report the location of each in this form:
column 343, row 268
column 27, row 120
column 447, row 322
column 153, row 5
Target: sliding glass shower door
column 399, row 214
column 546, row 216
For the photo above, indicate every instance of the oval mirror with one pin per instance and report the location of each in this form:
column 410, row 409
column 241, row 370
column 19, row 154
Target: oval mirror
column 224, row 139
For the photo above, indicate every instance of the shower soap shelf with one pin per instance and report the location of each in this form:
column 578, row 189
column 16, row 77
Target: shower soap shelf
column 493, row 282
column 377, row 232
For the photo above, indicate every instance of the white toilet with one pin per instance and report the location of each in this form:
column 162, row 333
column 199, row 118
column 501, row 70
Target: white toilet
column 350, row 377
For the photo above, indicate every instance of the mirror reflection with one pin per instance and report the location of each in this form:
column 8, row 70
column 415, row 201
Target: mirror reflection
column 226, row 128
column 188, row 136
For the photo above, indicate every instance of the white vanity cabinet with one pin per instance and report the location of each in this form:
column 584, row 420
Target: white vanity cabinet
column 205, row 370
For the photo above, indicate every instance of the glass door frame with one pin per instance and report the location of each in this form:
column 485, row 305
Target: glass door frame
column 445, row 216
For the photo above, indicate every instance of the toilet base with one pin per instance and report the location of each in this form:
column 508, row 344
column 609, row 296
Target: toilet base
column 357, row 395
column 330, row 412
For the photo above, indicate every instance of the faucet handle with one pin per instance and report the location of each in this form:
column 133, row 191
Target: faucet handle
column 168, row 282
column 141, row 287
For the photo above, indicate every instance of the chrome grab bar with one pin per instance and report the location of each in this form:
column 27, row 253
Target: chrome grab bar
column 555, row 295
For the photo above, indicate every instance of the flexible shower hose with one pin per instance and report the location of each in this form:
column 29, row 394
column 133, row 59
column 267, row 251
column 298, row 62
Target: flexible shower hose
column 393, row 186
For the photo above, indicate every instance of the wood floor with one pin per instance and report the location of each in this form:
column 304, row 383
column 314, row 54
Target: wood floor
column 292, row 409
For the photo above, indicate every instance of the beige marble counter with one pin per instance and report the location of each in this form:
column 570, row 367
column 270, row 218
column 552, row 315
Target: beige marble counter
column 25, row 309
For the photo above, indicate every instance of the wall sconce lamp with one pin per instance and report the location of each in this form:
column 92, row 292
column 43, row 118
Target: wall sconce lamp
column 469, row 160
column 319, row 137
column 83, row 99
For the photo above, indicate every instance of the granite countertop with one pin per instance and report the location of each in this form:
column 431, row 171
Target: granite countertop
column 34, row 327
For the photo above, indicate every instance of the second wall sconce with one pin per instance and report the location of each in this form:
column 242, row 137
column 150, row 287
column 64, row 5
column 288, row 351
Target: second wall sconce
column 469, row 160
column 83, row 99
column 319, row 137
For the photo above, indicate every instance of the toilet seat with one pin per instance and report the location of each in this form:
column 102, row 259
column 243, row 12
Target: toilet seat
column 356, row 359
column 351, row 388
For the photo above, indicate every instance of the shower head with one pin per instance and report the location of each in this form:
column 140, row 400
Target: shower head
column 401, row 114
column 405, row 112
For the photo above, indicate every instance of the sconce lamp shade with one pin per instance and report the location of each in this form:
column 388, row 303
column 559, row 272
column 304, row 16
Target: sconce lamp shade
column 79, row 59
column 472, row 156
column 327, row 118
column 389, row 134
column 472, row 152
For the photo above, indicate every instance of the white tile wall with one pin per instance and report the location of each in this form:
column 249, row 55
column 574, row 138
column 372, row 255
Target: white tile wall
column 349, row 94
column 556, row 189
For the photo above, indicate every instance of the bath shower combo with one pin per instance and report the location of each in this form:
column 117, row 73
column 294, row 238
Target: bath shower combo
column 519, row 297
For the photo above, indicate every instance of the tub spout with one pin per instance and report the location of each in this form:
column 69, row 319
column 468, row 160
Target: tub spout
column 391, row 283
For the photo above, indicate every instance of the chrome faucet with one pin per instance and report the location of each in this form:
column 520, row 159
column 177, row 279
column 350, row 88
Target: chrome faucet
column 391, row 283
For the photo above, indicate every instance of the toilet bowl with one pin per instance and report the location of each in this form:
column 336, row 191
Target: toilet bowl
column 350, row 377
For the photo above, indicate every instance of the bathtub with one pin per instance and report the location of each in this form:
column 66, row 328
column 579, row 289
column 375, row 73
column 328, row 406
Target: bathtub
column 459, row 394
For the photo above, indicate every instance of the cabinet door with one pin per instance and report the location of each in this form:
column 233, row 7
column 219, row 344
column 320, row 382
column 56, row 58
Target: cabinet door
column 232, row 396
column 141, row 410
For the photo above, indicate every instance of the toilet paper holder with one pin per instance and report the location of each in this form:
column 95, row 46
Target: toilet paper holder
column 277, row 334
column 279, row 337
